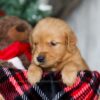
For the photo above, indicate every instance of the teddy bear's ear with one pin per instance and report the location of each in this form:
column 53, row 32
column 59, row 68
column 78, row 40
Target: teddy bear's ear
column 18, row 33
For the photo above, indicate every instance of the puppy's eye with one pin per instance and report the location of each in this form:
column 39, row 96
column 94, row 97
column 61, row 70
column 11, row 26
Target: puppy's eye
column 53, row 43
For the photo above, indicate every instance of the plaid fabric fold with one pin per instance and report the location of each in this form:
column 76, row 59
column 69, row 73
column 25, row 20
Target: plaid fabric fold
column 14, row 86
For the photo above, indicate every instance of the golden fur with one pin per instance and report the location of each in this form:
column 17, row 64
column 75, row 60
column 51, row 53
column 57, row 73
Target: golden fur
column 1, row 97
column 55, row 40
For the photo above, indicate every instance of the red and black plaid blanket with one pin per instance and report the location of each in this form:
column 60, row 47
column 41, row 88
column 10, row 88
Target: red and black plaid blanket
column 14, row 86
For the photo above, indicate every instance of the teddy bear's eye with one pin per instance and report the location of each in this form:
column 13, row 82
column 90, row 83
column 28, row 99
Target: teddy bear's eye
column 35, row 43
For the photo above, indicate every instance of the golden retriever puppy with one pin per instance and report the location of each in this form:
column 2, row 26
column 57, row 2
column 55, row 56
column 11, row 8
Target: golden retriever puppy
column 54, row 49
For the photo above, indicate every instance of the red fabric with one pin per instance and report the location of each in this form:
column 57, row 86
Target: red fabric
column 2, row 13
column 16, row 49
column 15, row 86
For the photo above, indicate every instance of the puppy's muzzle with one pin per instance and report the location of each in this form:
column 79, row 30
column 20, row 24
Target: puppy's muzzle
column 41, row 58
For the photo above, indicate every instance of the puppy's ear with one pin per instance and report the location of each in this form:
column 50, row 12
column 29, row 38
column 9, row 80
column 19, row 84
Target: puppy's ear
column 30, row 39
column 71, row 41
column 31, row 43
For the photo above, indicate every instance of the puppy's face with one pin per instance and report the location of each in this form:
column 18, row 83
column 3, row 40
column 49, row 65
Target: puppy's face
column 48, row 49
column 50, row 44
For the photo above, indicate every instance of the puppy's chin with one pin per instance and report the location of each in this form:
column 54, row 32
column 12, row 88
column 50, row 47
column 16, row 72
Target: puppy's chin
column 47, row 67
column 46, row 64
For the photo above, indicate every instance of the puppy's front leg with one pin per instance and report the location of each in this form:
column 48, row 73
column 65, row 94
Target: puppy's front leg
column 34, row 74
column 69, row 73
column 1, row 97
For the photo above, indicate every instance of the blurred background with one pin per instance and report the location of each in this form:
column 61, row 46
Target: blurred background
column 82, row 15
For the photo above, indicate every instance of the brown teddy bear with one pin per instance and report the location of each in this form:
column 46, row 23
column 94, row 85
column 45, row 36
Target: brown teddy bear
column 13, row 23
column 14, row 29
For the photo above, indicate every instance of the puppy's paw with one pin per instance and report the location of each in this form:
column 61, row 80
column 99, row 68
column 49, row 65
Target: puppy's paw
column 69, row 78
column 1, row 97
column 34, row 74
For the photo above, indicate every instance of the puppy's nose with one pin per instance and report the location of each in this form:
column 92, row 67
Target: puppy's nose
column 40, row 58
